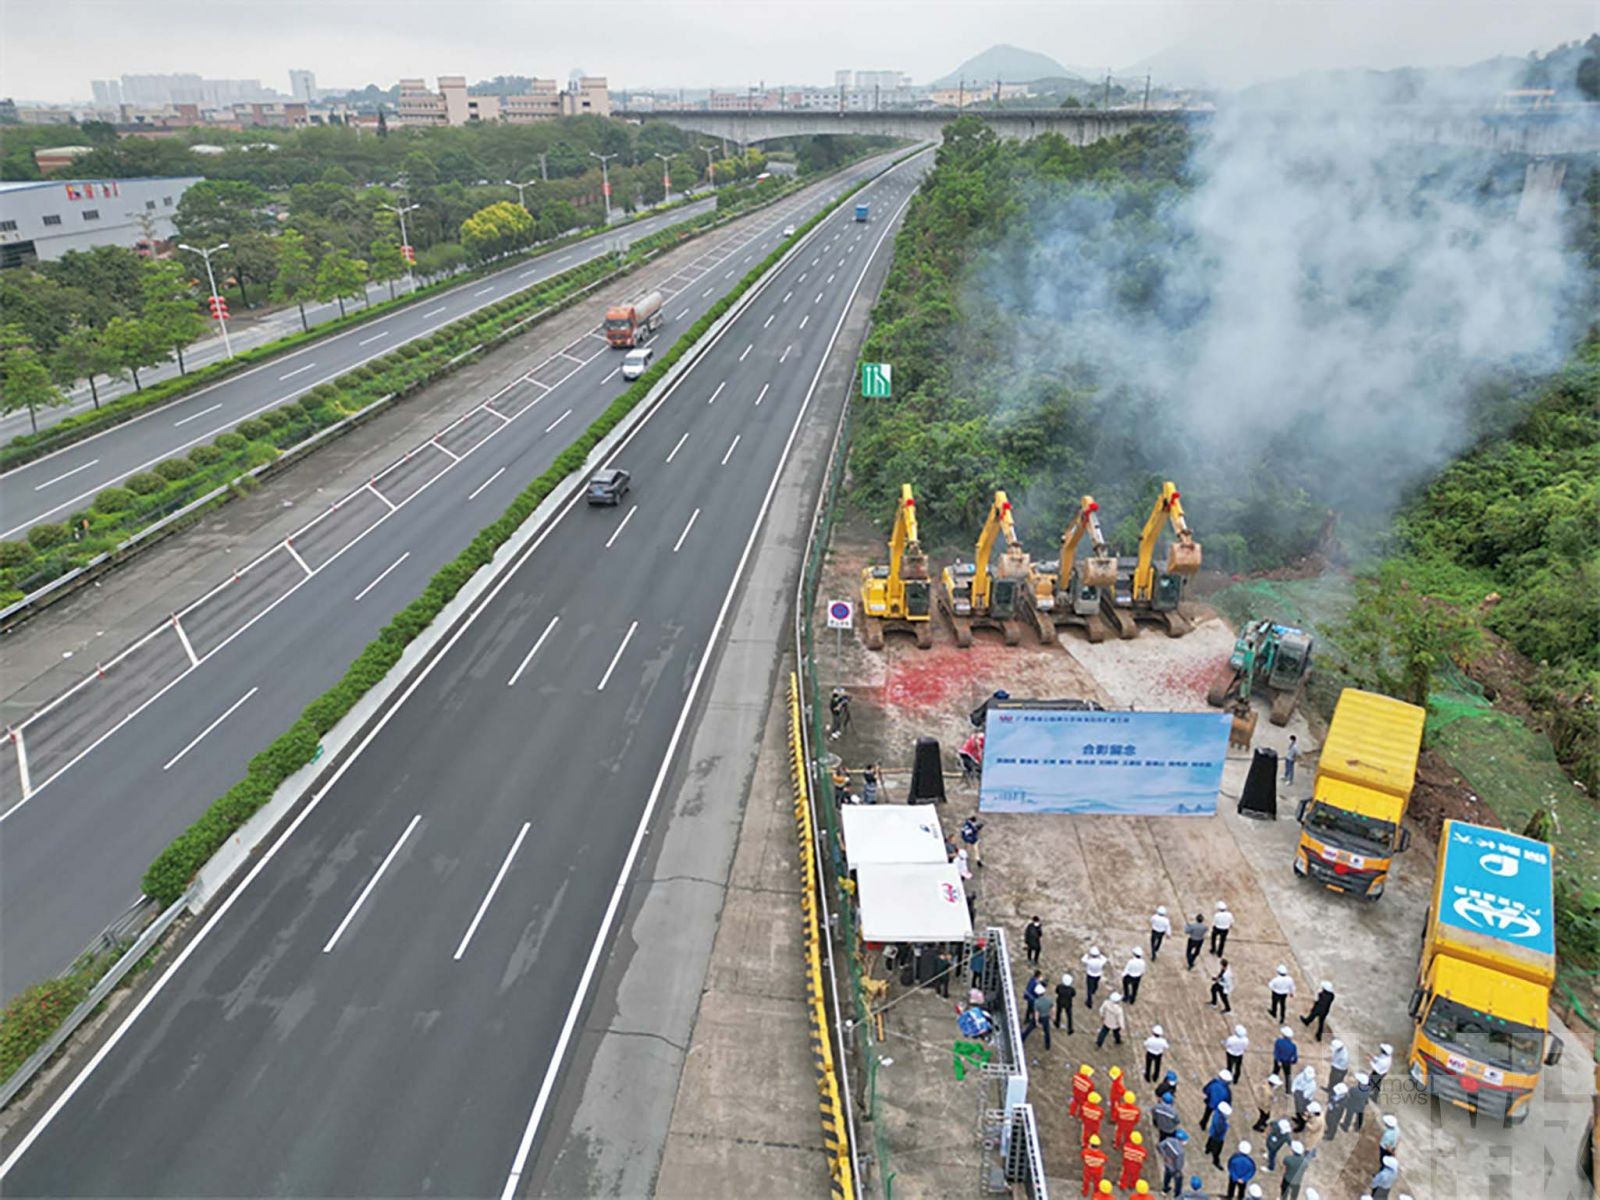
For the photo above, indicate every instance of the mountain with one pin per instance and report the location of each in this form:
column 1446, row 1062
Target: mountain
column 1009, row 64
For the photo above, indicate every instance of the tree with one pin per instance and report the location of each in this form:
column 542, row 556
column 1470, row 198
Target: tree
column 83, row 354
column 219, row 210
column 340, row 276
column 1395, row 638
column 170, row 308
column 109, row 277
column 442, row 258
column 385, row 260
column 135, row 343
column 498, row 229
column 297, row 276
column 24, row 380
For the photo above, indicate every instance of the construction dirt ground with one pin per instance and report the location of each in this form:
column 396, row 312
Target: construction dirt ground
column 1095, row 880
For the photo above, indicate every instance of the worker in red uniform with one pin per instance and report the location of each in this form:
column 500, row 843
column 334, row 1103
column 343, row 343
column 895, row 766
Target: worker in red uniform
column 1094, row 1166
column 1133, row 1156
column 1105, row 1190
column 1082, row 1085
column 1115, row 1086
column 1125, row 1114
column 1091, row 1114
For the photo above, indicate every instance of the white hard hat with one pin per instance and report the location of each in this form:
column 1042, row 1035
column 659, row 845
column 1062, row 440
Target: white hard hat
column 1363, row 1078
column 1340, row 1089
column 1385, row 1047
column 1326, row 986
column 1115, row 997
column 1161, row 910
column 1222, row 906
column 1255, row 1192
column 1282, row 970
column 1138, row 953
column 1390, row 1120
column 1275, row 1079
column 1225, row 1075
column 1314, row 1107
column 1238, row 1031
column 1389, row 1161
column 1285, row 1031
column 1156, row 1029
column 1283, row 1126
column 1094, row 951
column 1337, row 1044
column 1299, row 1148
column 1244, row 1147
column 1066, row 978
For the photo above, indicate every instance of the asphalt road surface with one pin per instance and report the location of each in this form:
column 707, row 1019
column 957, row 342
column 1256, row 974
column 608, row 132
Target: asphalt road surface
column 51, row 487
column 97, row 782
column 383, row 1007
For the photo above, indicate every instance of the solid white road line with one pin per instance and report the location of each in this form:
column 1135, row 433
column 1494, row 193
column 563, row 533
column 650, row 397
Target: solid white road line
column 718, row 392
column 201, row 735
column 804, row 319
column 206, row 411
column 373, row 338
column 493, row 888
column 66, row 475
column 693, row 517
column 762, row 395
column 528, row 657
column 785, row 354
column 293, row 373
column 731, row 448
column 617, row 657
column 615, row 533
column 371, row 883
column 183, row 638
column 473, row 494
column 384, row 575
column 747, row 350
column 678, row 447
column 548, row 428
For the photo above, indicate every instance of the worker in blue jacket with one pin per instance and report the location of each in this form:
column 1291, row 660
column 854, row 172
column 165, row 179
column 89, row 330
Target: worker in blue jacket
column 1219, row 1088
column 1217, row 1133
column 1241, row 1170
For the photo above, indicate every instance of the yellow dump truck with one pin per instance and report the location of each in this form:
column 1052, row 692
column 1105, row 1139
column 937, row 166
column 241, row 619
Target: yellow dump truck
column 1350, row 828
column 1482, row 1003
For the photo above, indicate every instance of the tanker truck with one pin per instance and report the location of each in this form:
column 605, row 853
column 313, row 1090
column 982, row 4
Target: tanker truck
column 632, row 324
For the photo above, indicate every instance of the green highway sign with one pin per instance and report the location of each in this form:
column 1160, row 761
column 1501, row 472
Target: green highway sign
column 875, row 378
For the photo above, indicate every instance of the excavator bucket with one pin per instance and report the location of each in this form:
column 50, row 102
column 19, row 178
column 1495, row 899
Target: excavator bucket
column 1100, row 572
column 1183, row 558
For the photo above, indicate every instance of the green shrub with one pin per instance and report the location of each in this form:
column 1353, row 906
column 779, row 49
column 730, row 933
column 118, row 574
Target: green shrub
column 48, row 535
column 254, row 430
column 34, row 1014
column 15, row 554
column 206, row 456
column 113, row 500
column 146, row 483
column 230, row 442
column 174, row 469
column 277, row 418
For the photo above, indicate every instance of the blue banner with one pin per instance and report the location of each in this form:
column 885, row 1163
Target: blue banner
column 1500, row 885
column 1127, row 763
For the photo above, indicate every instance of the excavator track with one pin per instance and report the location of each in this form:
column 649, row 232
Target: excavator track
column 872, row 633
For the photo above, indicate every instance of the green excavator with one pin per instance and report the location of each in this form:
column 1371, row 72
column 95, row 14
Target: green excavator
column 1270, row 656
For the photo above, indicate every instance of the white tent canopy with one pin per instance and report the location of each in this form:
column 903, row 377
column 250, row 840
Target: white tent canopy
column 892, row 833
column 912, row 902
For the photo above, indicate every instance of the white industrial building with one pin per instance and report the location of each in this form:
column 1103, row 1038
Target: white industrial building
column 40, row 220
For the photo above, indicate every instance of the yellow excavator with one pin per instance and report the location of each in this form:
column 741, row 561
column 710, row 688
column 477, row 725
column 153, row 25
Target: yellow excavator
column 894, row 598
column 974, row 596
column 1154, row 594
column 1070, row 592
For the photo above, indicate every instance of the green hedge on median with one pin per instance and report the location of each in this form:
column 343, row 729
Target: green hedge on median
column 168, row 877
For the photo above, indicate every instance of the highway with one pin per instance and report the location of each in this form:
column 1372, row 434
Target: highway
column 51, row 487
column 98, row 781
column 384, row 1006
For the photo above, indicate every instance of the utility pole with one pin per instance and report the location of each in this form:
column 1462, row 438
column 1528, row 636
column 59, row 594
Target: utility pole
column 219, row 306
column 1147, row 91
column 544, row 174
column 711, row 164
column 1106, row 101
column 605, row 180
column 400, row 210
column 961, row 94
column 666, row 176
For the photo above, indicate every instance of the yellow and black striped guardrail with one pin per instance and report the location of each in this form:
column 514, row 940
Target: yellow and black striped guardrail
column 835, row 1133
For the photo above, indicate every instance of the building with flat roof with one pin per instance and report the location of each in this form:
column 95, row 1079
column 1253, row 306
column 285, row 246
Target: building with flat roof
column 40, row 220
column 302, row 85
column 453, row 104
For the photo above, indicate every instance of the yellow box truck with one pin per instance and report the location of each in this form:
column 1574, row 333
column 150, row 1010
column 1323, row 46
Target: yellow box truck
column 1482, row 1003
column 1350, row 828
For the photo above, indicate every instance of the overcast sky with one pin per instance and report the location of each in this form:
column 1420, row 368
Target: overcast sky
column 50, row 49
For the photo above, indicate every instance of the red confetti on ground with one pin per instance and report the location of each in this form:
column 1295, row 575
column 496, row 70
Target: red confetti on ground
column 932, row 680
column 1187, row 679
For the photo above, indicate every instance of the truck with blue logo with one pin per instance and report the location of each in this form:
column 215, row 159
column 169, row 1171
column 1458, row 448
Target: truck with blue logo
column 1482, row 1002
column 863, row 211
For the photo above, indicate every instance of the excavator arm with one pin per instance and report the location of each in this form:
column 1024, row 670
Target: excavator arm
column 903, row 535
column 1100, row 569
column 1183, row 558
column 999, row 520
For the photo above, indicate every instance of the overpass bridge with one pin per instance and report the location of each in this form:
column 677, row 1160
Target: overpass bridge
column 1559, row 129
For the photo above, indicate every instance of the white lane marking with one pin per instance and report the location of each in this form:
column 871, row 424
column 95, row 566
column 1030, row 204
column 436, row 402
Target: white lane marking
column 615, row 533
column 785, row 353
column 769, row 320
column 435, row 312
column 438, row 445
column 68, row 475
column 601, row 943
column 802, row 278
column 830, row 278
column 493, row 888
column 24, row 775
column 681, row 315
column 718, row 392
column 678, row 447
column 729, row 275
column 747, row 350
column 183, row 637
column 804, row 319
column 373, row 488
column 199, row 737
column 293, row 373
column 295, row 554
column 384, row 575
column 705, row 293
column 484, row 291
column 528, row 657
column 203, row 412
column 371, row 883
column 375, row 337
column 693, row 517
column 818, row 300
column 785, row 299
column 548, row 428
column 763, row 394
column 473, row 494
column 564, row 258
column 731, row 448
column 816, row 260
column 617, row 657
column 615, row 371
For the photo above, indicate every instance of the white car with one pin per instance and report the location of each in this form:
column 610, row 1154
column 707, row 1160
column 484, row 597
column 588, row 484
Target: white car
column 788, row 231
column 636, row 363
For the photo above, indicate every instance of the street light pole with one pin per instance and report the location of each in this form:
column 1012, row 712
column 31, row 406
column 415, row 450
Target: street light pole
column 522, row 189
column 605, row 181
column 711, row 164
column 400, row 210
column 666, row 176
column 211, row 278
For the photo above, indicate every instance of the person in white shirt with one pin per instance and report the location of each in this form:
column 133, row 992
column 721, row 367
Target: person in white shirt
column 1222, row 987
column 1338, row 1062
column 1235, row 1044
column 1132, row 974
column 1304, row 1091
column 1154, row 1047
column 1094, row 966
column 1281, row 985
column 1221, row 922
column 1160, row 926
column 1382, row 1062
